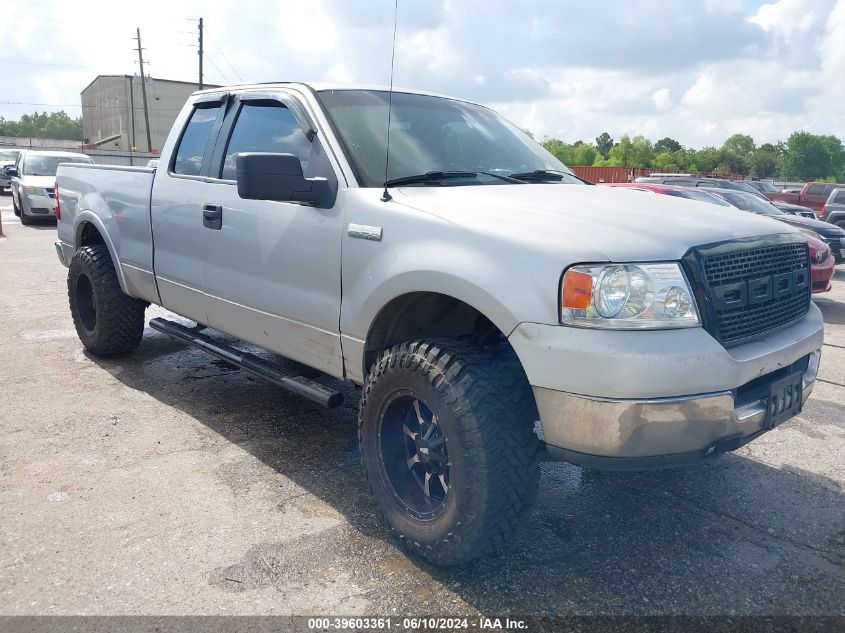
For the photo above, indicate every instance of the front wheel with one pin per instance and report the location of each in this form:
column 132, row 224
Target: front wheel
column 26, row 220
column 448, row 446
column 108, row 321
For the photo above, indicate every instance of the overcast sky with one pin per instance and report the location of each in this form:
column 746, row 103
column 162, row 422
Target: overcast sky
column 696, row 70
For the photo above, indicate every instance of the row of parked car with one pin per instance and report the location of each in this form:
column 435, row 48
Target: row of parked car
column 818, row 209
column 826, row 239
column 31, row 175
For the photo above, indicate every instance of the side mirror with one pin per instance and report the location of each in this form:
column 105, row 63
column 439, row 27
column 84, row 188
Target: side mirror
column 266, row 176
column 10, row 171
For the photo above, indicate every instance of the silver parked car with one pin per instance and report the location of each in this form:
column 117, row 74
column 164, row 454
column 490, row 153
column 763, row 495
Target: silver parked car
column 33, row 179
column 7, row 159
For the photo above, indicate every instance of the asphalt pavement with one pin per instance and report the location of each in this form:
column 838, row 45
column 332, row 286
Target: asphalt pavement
column 164, row 482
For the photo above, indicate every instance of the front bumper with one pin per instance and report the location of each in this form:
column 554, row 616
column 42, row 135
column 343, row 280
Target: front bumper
column 659, row 433
column 610, row 399
column 38, row 206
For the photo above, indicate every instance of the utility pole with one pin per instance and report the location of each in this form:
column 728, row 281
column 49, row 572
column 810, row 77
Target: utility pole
column 144, row 92
column 200, row 54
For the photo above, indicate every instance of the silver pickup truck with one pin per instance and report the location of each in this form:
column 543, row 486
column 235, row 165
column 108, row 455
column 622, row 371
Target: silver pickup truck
column 495, row 310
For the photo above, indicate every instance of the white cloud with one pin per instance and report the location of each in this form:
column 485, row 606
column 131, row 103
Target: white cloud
column 306, row 27
column 662, row 99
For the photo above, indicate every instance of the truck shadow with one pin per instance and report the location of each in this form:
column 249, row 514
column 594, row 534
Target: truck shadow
column 833, row 311
column 734, row 536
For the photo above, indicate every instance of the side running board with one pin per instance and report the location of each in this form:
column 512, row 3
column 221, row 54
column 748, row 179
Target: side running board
column 251, row 363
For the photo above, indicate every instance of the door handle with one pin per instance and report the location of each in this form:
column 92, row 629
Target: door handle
column 212, row 216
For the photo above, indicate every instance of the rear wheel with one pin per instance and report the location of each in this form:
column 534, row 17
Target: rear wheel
column 447, row 444
column 108, row 321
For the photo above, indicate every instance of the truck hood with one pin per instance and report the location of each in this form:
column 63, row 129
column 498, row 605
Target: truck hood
column 592, row 223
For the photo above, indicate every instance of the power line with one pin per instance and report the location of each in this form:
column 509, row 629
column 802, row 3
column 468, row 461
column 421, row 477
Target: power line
column 14, row 61
column 32, row 17
column 77, row 105
column 220, row 50
column 220, row 72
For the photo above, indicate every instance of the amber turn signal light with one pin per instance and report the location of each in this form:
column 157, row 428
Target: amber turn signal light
column 577, row 291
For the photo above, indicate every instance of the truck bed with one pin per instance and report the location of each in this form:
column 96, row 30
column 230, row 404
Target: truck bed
column 115, row 200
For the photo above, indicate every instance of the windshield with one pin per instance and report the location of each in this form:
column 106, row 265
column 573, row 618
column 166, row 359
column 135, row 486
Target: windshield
column 8, row 157
column 432, row 134
column 36, row 165
column 749, row 202
column 766, row 187
column 701, row 196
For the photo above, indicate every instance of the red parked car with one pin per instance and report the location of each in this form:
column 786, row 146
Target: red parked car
column 821, row 264
column 690, row 193
column 813, row 195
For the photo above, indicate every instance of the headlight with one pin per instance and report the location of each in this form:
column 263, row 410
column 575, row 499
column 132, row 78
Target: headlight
column 627, row 297
column 33, row 191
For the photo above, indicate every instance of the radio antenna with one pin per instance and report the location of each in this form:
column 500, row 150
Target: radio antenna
column 386, row 197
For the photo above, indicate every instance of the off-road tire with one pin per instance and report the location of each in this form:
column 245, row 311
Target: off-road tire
column 486, row 409
column 117, row 324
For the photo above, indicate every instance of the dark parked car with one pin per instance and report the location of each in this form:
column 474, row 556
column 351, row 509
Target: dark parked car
column 7, row 157
column 833, row 236
column 763, row 187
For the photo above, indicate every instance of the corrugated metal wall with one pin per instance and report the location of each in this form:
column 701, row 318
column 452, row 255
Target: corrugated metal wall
column 629, row 174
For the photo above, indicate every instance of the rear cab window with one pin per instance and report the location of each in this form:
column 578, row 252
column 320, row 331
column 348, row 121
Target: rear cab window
column 190, row 156
column 816, row 190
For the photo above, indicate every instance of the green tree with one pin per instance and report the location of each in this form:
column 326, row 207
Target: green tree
column 57, row 125
column 561, row 150
column 808, row 157
column 632, row 152
column 737, row 153
column 706, row 159
column 603, row 144
column 764, row 162
column 585, row 154
column 666, row 144
column 665, row 161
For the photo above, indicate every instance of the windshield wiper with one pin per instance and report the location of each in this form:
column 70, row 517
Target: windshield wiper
column 431, row 177
column 546, row 175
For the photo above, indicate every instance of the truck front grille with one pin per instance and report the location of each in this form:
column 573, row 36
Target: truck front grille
column 751, row 288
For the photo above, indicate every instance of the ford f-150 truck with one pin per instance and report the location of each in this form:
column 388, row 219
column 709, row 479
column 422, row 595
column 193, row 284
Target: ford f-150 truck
column 495, row 310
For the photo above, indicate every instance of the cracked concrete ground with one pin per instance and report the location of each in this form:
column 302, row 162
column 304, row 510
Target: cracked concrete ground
column 164, row 482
